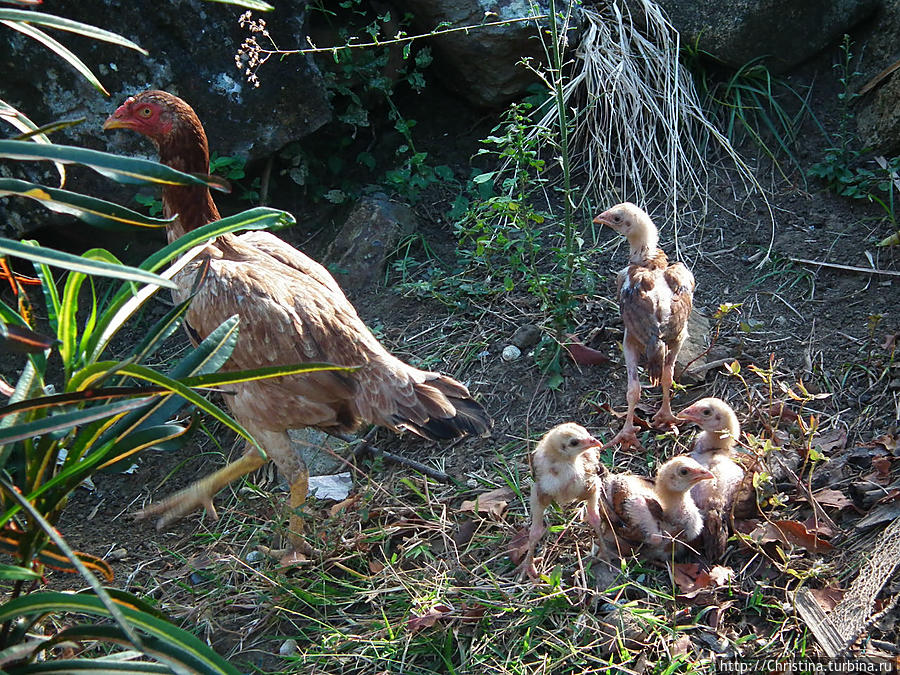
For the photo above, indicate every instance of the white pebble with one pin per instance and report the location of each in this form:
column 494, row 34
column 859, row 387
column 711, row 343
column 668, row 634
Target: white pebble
column 511, row 353
column 288, row 647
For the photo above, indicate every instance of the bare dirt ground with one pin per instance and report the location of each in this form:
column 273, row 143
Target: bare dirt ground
column 405, row 547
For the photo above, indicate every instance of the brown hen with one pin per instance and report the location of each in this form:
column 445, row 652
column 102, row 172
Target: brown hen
column 655, row 299
column 291, row 311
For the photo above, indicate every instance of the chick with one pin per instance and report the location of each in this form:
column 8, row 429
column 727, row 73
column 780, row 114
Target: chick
column 566, row 469
column 656, row 515
column 655, row 300
column 713, row 450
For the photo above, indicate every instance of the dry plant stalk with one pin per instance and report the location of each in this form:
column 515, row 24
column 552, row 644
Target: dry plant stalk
column 639, row 132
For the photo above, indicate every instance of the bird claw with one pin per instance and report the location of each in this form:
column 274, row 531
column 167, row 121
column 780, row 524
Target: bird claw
column 626, row 438
column 528, row 567
column 665, row 421
column 299, row 554
column 177, row 506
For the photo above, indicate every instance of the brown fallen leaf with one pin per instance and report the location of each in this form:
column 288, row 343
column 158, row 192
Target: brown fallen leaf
column 692, row 581
column 518, row 546
column 889, row 441
column 493, row 502
column 882, row 466
column 828, row 597
column 429, row 618
column 817, row 527
column 346, row 505
column 890, row 342
column 780, row 412
column 827, row 441
column 375, row 567
column 833, row 498
column 891, row 496
column 681, row 646
column 609, row 410
column 792, row 533
column 584, row 355
column 464, row 532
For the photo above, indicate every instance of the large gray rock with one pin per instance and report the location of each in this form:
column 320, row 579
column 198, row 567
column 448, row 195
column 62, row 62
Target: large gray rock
column 482, row 64
column 784, row 33
column 192, row 46
column 879, row 118
column 358, row 253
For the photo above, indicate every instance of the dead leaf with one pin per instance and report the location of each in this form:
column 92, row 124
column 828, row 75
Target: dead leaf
column 817, row 527
column 518, row 546
column 882, row 466
column 346, row 505
column 890, row 342
column 827, row 598
column 834, row 439
column 681, row 646
column 493, row 502
column 889, row 441
column 473, row 613
column 692, row 581
column 891, row 496
column 608, row 409
column 375, row 567
column 584, row 355
column 464, row 532
column 792, row 533
column 780, row 412
column 833, row 498
column 429, row 618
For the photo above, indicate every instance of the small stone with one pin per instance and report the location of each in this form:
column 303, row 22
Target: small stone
column 471, row 483
column 196, row 579
column 511, row 353
column 288, row 647
column 117, row 554
column 254, row 556
column 526, row 336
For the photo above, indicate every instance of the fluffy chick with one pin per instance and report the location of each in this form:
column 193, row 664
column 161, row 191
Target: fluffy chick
column 655, row 300
column 566, row 469
column 656, row 515
column 713, row 450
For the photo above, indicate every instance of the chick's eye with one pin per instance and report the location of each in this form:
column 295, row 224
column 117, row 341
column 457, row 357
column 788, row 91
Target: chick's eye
column 707, row 412
column 683, row 471
column 145, row 111
column 617, row 219
column 573, row 442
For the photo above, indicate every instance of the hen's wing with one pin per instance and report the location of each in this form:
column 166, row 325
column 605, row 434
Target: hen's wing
column 681, row 283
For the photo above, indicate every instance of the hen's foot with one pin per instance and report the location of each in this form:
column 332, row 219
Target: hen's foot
column 294, row 556
column 665, row 420
column 529, row 568
column 180, row 504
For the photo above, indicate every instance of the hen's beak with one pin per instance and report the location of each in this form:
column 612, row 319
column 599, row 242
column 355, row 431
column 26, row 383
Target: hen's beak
column 119, row 120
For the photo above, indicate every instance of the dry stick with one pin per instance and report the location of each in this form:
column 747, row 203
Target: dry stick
column 848, row 268
column 365, row 446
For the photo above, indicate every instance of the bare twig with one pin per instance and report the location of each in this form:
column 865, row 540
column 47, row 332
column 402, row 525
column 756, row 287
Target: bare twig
column 365, row 446
column 848, row 268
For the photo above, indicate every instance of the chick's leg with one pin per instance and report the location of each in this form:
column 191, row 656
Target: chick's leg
column 536, row 506
column 627, row 436
column 664, row 419
column 202, row 492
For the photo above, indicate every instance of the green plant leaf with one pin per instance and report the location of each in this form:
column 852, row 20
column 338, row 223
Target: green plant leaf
column 63, row 421
column 60, row 23
column 96, row 212
column 100, row 666
column 16, row 573
column 76, row 263
column 258, row 5
column 60, row 49
column 190, row 650
column 116, row 167
column 25, row 125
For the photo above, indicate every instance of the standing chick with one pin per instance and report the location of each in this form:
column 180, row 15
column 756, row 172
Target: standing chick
column 657, row 514
column 713, row 450
column 566, row 468
column 655, row 299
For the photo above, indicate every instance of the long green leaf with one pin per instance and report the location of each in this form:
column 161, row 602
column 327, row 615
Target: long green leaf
column 14, row 573
column 96, row 212
column 60, row 23
column 46, row 602
column 258, row 5
column 63, row 421
column 116, row 167
column 25, row 125
column 72, row 262
column 60, row 49
column 266, row 372
column 102, row 600
column 101, row 666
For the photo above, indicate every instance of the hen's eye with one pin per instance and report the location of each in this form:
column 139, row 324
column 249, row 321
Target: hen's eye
column 145, row 111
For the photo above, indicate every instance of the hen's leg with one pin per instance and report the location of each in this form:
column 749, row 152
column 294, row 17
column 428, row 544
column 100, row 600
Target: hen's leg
column 627, row 436
column 202, row 492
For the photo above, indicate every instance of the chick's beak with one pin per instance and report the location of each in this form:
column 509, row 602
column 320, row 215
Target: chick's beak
column 688, row 415
column 603, row 219
column 120, row 119
column 702, row 474
column 591, row 442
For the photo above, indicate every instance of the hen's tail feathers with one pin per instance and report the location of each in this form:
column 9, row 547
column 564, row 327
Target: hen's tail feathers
column 451, row 411
column 655, row 355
